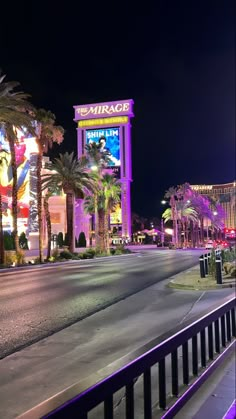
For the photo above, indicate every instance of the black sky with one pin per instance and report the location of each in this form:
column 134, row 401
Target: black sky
column 175, row 58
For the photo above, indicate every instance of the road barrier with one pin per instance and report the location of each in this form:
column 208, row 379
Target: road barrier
column 207, row 339
column 204, row 263
column 218, row 269
column 202, row 266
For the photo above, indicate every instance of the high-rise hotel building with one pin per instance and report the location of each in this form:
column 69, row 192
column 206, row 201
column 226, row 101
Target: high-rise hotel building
column 225, row 195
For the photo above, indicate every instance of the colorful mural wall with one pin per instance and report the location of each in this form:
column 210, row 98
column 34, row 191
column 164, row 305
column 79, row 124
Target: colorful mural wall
column 26, row 159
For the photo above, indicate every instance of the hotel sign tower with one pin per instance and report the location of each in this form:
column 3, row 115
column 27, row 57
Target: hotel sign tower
column 110, row 124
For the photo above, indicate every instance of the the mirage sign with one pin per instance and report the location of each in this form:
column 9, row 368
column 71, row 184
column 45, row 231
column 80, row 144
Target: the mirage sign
column 95, row 110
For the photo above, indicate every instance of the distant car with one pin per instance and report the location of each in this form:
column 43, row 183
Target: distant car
column 221, row 244
column 209, row 244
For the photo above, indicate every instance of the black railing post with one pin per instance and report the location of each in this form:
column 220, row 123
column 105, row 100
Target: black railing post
column 108, row 407
column 228, row 326
column 130, row 401
column 174, row 373
column 185, row 363
column 223, row 338
column 210, row 342
column 217, row 336
column 203, row 347
column 194, row 355
column 218, row 271
column 202, row 267
column 206, row 264
column 162, row 384
column 147, row 390
column 233, row 322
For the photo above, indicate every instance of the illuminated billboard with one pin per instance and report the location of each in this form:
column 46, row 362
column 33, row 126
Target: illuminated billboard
column 109, row 140
column 116, row 215
column 25, row 146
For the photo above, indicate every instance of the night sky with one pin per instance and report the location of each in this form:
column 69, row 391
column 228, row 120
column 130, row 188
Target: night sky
column 175, row 59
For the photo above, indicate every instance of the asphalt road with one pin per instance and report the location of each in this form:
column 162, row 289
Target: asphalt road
column 37, row 302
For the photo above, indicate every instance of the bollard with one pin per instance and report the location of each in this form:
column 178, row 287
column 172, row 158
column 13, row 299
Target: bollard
column 202, row 267
column 218, row 271
column 206, row 264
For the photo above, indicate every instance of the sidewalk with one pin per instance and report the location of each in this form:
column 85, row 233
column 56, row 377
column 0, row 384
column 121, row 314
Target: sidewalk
column 43, row 369
column 215, row 396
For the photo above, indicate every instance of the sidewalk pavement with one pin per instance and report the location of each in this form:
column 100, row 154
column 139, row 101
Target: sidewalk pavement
column 45, row 368
column 215, row 397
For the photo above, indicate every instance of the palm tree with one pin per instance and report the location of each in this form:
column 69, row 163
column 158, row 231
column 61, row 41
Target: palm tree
column 111, row 191
column 15, row 112
column 184, row 213
column 108, row 196
column 171, row 194
column 71, row 176
column 97, row 161
column 217, row 218
column 48, row 133
column 94, row 203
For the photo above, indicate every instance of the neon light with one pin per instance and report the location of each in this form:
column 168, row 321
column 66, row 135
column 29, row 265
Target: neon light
column 103, row 121
column 104, row 109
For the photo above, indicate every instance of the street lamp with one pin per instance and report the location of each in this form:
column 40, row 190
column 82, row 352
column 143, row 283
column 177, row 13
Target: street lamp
column 163, row 202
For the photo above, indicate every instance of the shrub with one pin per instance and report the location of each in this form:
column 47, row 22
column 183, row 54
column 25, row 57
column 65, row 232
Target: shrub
column 10, row 258
column 60, row 241
column 20, row 258
column 89, row 254
column 212, row 265
column 37, row 261
column 55, row 254
column 229, row 255
column 82, row 240
column 66, row 240
column 23, row 242
column 8, row 241
column 233, row 272
column 227, row 266
column 65, row 254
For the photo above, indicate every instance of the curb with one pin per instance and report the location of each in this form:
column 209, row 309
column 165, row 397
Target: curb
column 27, row 267
column 194, row 288
column 176, row 285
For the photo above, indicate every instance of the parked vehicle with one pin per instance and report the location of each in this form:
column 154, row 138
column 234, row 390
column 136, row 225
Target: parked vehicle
column 209, row 244
column 221, row 244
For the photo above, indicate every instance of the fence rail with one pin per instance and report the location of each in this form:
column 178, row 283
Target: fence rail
column 202, row 342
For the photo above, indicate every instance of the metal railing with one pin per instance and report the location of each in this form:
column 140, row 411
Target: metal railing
column 195, row 348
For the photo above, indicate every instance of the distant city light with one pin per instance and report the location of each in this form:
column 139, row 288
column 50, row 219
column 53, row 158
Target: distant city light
column 163, row 202
column 169, row 231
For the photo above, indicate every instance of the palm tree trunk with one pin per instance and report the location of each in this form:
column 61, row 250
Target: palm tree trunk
column 173, row 220
column 202, row 230
column 101, row 230
column 106, row 227
column 39, row 199
column 96, row 219
column 184, row 231
column 70, row 219
column 11, row 141
column 49, row 225
column 1, row 235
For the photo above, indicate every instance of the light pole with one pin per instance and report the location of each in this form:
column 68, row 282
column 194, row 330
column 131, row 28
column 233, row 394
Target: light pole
column 162, row 233
column 163, row 202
